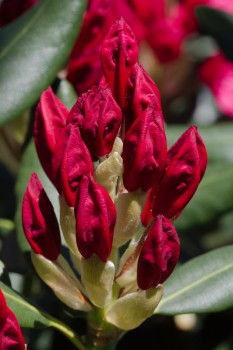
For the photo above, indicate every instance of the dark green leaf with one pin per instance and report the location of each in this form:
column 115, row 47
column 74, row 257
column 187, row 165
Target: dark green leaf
column 219, row 25
column 28, row 315
column 204, row 284
column 33, row 49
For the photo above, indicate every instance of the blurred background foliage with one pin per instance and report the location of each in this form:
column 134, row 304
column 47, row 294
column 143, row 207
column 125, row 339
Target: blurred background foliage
column 34, row 50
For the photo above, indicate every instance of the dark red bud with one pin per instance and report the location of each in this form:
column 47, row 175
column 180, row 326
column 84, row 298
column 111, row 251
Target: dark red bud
column 11, row 337
column 39, row 221
column 95, row 219
column 144, row 151
column 141, row 94
column 159, row 254
column 185, row 166
column 49, row 125
column 118, row 55
column 76, row 161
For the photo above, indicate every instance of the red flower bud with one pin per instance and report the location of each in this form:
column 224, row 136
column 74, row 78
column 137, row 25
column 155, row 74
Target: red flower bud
column 159, row 254
column 144, row 151
column 11, row 337
column 95, row 219
column 76, row 161
column 141, row 94
column 118, row 55
column 185, row 166
column 49, row 125
column 39, row 221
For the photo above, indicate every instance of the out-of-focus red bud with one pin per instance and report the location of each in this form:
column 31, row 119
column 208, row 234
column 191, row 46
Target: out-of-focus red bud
column 144, row 151
column 10, row 10
column 185, row 166
column 49, row 128
column 11, row 337
column 85, row 71
column 118, row 55
column 76, row 161
column 95, row 219
column 141, row 94
column 159, row 254
column 39, row 221
column 220, row 80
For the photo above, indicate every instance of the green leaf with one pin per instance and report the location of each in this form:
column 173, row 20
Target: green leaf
column 30, row 163
column 6, row 227
column 4, row 276
column 27, row 315
column 219, row 25
column 33, row 49
column 66, row 93
column 204, row 284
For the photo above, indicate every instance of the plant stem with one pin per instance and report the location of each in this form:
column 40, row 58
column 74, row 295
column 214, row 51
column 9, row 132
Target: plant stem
column 68, row 332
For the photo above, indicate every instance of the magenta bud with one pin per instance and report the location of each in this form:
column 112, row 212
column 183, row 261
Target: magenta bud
column 95, row 219
column 76, row 161
column 49, row 126
column 11, row 336
column 159, row 254
column 39, row 221
column 144, row 151
column 185, row 166
column 118, row 55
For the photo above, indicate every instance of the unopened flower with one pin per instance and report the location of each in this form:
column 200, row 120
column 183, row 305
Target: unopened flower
column 11, row 337
column 119, row 53
column 39, row 221
column 95, row 219
column 159, row 254
column 49, row 133
column 144, row 151
column 76, row 161
column 185, row 166
column 99, row 118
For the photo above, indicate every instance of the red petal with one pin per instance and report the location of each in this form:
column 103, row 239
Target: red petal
column 185, row 167
column 118, row 55
column 50, row 121
column 95, row 219
column 144, row 151
column 11, row 337
column 76, row 161
column 159, row 254
column 220, row 81
column 39, row 221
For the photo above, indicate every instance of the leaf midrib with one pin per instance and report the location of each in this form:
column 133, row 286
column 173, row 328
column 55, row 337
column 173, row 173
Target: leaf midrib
column 194, row 284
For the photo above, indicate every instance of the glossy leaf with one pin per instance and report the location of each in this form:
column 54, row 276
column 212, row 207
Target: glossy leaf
column 33, row 49
column 219, row 25
column 203, row 284
column 27, row 314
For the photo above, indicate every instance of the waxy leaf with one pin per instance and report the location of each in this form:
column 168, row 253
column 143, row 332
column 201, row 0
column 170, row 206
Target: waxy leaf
column 219, row 25
column 28, row 315
column 203, row 284
column 32, row 51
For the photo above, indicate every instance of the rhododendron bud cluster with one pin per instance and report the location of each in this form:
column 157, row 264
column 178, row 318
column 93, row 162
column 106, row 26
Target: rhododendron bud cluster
column 119, row 190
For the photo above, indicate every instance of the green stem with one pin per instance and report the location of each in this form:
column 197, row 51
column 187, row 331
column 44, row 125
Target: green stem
column 101, row 334
column 68, row 332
